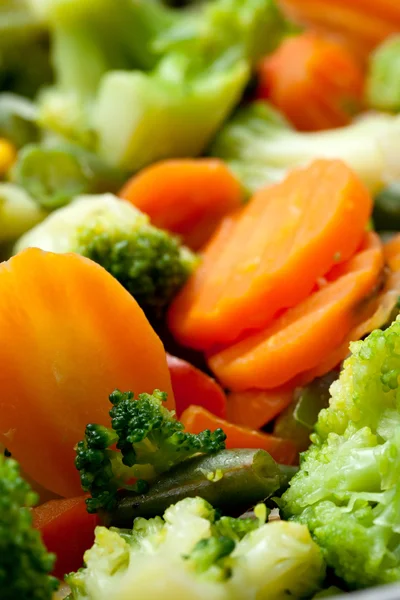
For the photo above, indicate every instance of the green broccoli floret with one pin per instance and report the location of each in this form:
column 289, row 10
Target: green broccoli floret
column 184, row 555
column 382, row 86
column 149, row 441
column 260, row 147
column 148, row 82
column 24, row 562
column 148, row 262
column 347, row 490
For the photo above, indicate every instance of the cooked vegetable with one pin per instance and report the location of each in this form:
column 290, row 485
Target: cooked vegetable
column 192, row 386
column 193, row 554
column 147, row 261
column 196, row 419
column 306, row 334
column 383, row 89
column 199, row 66
column 149, row 441
column 8, row 156
column 306, row 224
column 18, row 212
column 17, row 119
column 81, row 334
column 254, row 408
column 54, row 175
column 187, row 197
column 362, row 24
column 232, row 480
column 348, row 487
column 260, row 147
column 24, row 562
column 67, row 531
column 314, row 81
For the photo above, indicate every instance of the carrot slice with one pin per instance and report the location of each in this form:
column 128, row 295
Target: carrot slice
column 71, row 334
column 269, row 256
column 364, row 23
column 315, row 82
column 381, row 310
column 197, row 419
column 301, row 338
column 67, row 530
column 255, row 408
column 188, row 197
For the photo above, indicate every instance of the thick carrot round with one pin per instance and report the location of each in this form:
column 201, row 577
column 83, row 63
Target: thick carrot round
column 315, row 82
column 197, row 419
column 187, row 197
column 268, row 257
column 303, row 336
column 70, row 335
column 255, row 408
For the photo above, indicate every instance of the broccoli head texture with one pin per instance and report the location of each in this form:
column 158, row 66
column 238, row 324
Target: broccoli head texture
column 25, row 564
column 149, row 441
column 149, row 262
column 347, row 490
column 191, row 553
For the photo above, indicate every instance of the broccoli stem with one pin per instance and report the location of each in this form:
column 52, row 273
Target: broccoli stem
column 231, row 480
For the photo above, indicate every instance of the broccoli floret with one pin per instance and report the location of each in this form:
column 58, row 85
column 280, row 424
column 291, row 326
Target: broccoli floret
column 149, row 441
column 382, row 86
column 183, row 555
column 260, row 147
column 347, row 490
column 148, row 82
column 24, row 562
column 148, row 262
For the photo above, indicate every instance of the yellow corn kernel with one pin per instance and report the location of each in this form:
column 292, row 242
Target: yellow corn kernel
column 8, row 155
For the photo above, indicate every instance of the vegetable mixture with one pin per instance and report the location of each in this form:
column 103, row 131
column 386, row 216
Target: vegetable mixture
column 199, row 299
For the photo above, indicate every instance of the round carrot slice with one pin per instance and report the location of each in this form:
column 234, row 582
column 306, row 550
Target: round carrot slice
column 268, row 257
column 70, row 335
column 303, row 336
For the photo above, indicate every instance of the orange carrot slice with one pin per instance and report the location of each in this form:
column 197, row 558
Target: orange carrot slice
column 315, row 82
column 255, row 408
column 197, row 419
column 363, row 23
column 380, row 307
column 268, row 257
column 301, row 338
column 70, row 335
column 188, row 197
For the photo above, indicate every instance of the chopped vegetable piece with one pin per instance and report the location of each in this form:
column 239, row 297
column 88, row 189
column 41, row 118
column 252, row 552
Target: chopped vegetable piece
column 260, row 147
column 304, row 335
column 254, row 408
column 386, row 215
column 8, row 155
column 347, row 489
column 67, row 531
column 231, row 480
column 362, row 24
column 144, row 440
column 192, row 553
column 251, row 268
column 383, row 89
column 18, row 119
column 18, row 212
column 25, row 564
column 81, row 334
column 192, row 386
column 187, row 197
column 315, row 82
column 196, row 418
